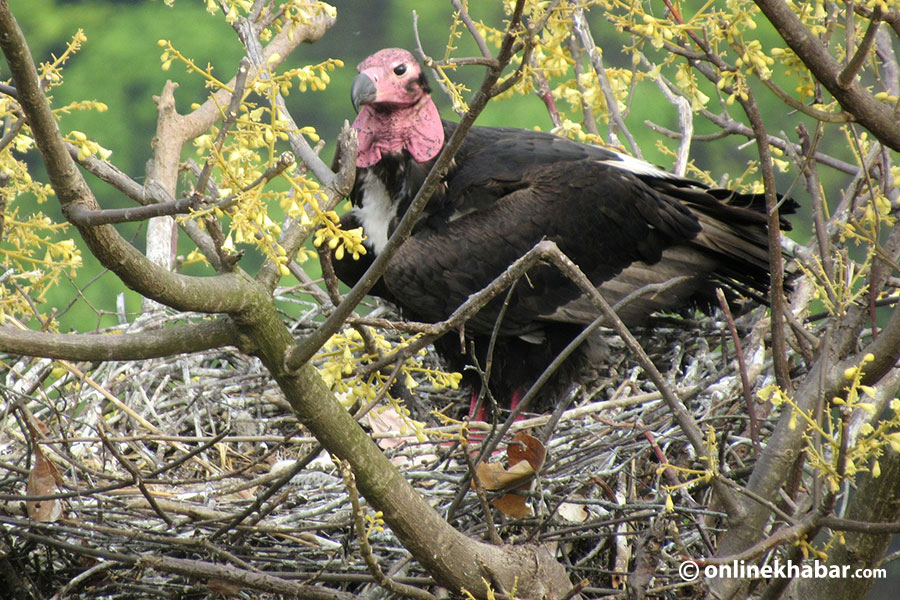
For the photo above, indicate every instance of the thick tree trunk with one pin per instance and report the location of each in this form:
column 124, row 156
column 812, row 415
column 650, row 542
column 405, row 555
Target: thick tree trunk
column 454, row 560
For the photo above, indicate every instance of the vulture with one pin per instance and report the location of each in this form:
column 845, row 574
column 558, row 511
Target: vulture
column 625, row 222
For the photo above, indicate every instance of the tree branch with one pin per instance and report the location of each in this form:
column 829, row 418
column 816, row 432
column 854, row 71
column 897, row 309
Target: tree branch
column 85, row 217
column 742, row 369
column 849, row 72
column 279, row 48
column 365, row 548
column 195, row 337
column 201, row 294
column 473, row 30
column 871, row 527
column 337, row 185
column 295, row 234
column 612, row 104
column 145, row 195
column 777, row 300
column 878, row 117
column 575, row 49
column 302, row 352
column 251, row 579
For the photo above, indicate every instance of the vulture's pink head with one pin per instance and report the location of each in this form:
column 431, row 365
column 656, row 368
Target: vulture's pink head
column 396, row 112
column 389, row 79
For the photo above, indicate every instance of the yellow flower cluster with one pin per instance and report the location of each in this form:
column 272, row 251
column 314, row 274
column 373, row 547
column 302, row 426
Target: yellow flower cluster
column 244, row 198
column 346, row 351
column 87, row 147
column 342, row 241
column 868, row 442
column 34, row 255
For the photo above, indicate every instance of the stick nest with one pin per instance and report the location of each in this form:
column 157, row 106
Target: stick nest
column 207, row 486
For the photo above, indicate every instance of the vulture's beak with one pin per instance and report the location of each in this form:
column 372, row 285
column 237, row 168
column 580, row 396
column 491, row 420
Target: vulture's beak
column 362, row 91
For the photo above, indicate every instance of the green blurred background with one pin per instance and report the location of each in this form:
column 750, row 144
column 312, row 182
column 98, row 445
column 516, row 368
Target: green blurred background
column 120, row 66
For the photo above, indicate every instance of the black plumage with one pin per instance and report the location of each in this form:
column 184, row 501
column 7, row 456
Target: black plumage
column 624, row 222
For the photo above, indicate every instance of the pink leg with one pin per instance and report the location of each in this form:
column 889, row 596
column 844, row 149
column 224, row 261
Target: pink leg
column 481, row 415
column 515, row 399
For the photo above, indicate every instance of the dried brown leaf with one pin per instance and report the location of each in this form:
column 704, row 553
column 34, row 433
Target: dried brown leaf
column 42, row 481
column 493, row 476
column 574, row 513
column 512, row 505
column 528, row 448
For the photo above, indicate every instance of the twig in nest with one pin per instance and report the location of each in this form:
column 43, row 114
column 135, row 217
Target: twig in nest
column 493, row 536
column 136, row 476
column 300, row 465
column 365, row 549
column 742, row 367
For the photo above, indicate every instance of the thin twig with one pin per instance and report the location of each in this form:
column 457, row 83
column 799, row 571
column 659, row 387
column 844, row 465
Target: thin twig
column 543, row 91
column 251, row 579
column 616, row 124
column 742, row 367
column 590, row 119
column 230, row 118
column 814, row 187
column 460, row 9
column 685, row 120
column 492, row 535
column 83, row 216
column 849, row 72
column 365, row 549
column 777, row 301
column 12, row 132
column 136, row 477
column 303, row 351
column 285, row 160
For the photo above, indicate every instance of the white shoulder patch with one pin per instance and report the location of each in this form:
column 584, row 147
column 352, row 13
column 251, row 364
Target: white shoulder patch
column 638, row 166
column 376, row 213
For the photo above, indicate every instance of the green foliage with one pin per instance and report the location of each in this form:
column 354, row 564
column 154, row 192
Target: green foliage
column 33, row 252
column 830, row 451
column 119, row 65
column 116, row 67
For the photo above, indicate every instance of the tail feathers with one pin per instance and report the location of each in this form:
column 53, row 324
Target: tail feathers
column 734, row 232
column 741, row 252
column 729, row 206
column 730, row 251
column 756, row 203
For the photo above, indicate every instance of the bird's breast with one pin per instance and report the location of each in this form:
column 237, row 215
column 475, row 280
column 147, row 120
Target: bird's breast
column 376, row 212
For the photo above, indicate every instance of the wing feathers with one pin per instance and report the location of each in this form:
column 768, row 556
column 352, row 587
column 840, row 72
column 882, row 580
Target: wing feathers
column 603, row 218
column 625, row 222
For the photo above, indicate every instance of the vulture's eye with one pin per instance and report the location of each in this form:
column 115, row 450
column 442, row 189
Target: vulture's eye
column 400, row 69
